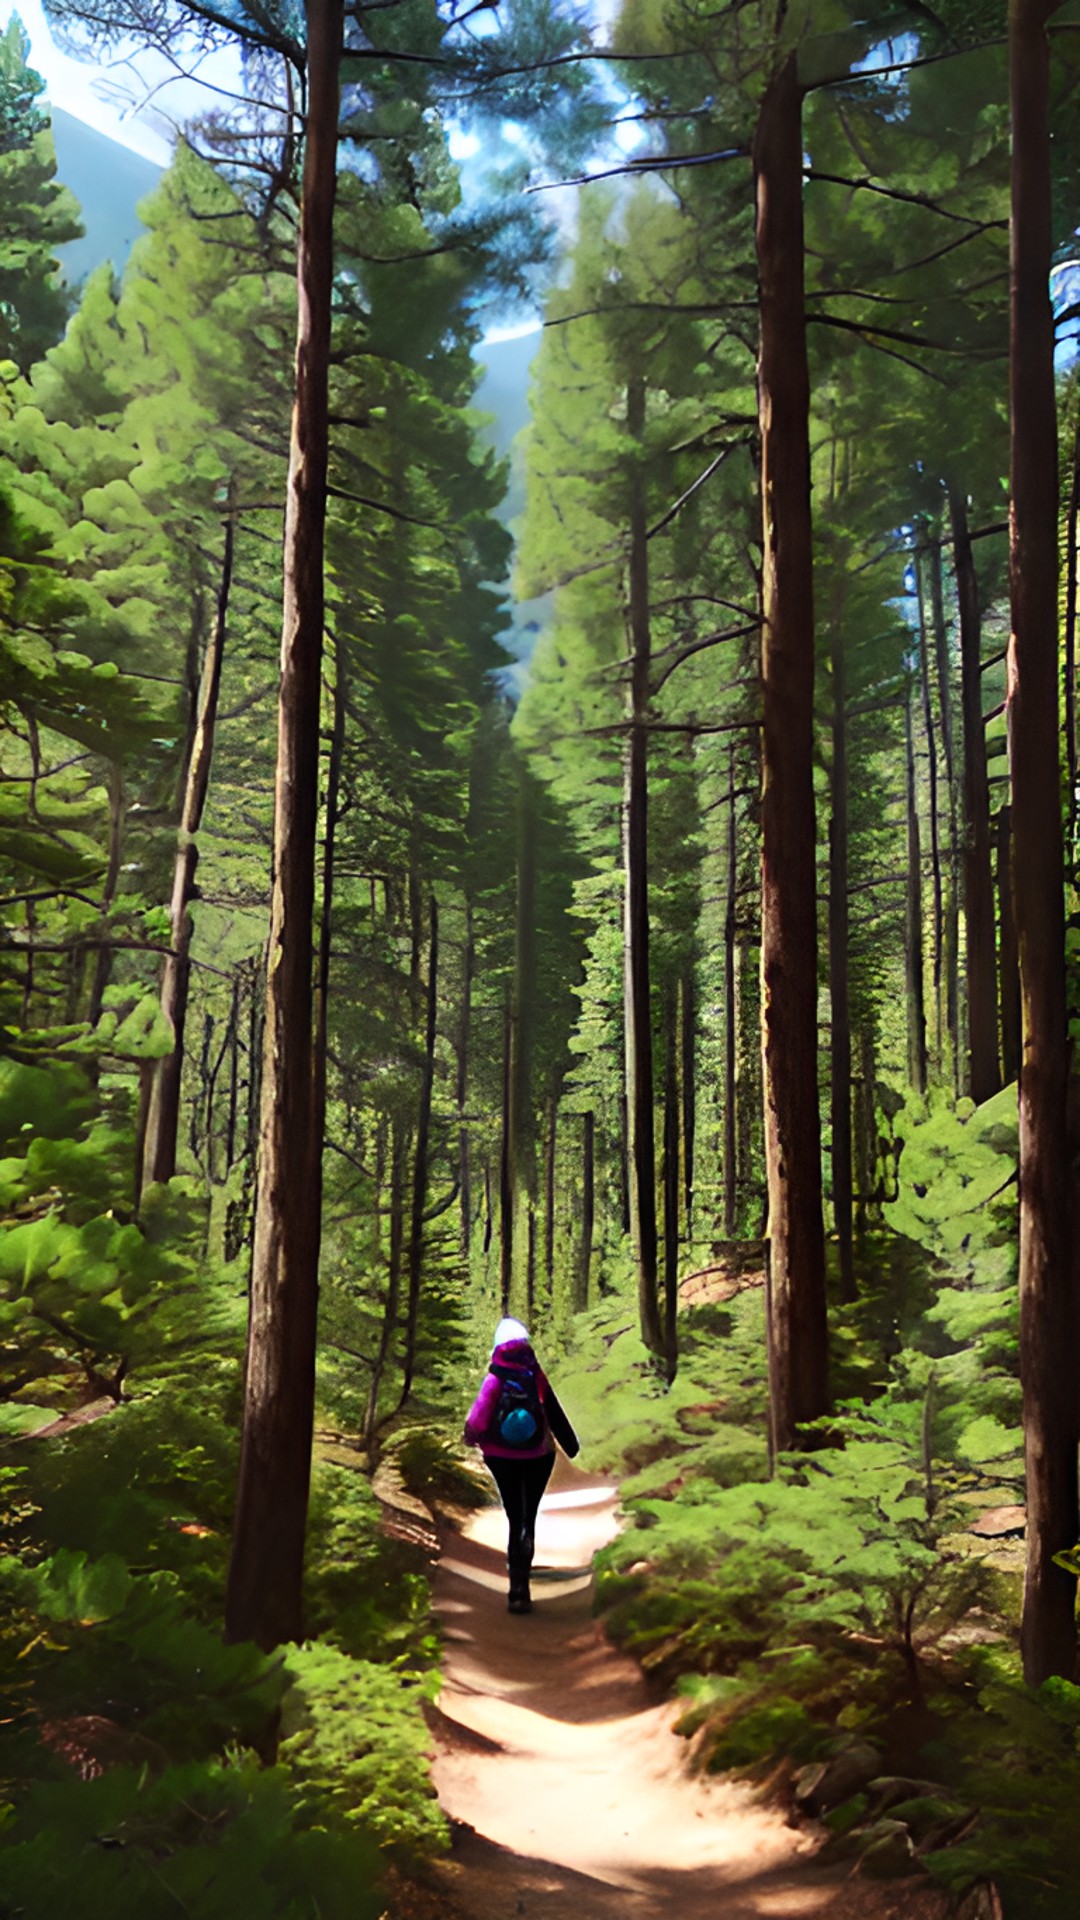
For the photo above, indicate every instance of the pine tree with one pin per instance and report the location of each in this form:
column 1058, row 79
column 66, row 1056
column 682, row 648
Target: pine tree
column 37, row 215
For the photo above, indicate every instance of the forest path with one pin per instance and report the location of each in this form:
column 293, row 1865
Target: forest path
column 559, row 1764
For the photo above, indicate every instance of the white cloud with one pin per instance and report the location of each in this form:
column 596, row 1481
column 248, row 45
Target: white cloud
column 82, row 87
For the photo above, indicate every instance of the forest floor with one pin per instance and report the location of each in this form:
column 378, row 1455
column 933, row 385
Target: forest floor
column 568, row 1793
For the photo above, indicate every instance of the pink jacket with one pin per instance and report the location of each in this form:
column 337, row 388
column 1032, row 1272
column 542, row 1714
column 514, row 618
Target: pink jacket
column 482, row 1413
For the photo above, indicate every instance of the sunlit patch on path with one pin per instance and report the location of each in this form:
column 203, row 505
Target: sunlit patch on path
column 558, row 1766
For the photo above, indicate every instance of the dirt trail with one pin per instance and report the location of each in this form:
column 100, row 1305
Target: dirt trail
column 558, row 1767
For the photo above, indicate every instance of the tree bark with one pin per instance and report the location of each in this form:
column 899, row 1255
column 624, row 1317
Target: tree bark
column 264, row 1597
column 950, row 955
column 522, row 1151
column 326, row 922
column 420, row 1158
column 731, row 1043
column 638, row 1017
column 798, row 1345
column 688, row 1083
column 468, row 969
column 1072, row 557
column 1047, row 1309
column 158, row 1156
column 983, row 1078
column 506, row 1181
column 839, row 976
column 913, row 927
column 671, row 1183
column 932, row 776
column 1008, row 958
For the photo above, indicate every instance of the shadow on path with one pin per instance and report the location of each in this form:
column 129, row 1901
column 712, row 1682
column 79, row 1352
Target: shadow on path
column 557, row 1765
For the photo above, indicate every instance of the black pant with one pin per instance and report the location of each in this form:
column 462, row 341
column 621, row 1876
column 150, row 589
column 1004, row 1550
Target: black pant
column 521, row 1484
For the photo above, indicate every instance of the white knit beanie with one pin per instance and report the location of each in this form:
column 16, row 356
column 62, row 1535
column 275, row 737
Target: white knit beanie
column 509, row 1330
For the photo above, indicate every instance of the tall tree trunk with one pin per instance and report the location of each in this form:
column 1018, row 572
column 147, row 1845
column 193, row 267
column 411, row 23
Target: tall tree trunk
column 731, row 1043
column 420, row 1159
column 798, row 1342
column 158, row 1156
column 1047, row 1309
column 506, row 1180
column 932, row 776
column 1072, row 559
column 671, row 1183
column 326, row 922
column 950, row 956
column 1008, row 958
column 588, row 1210
column 264, row 1601
column 913, row 927
column 468, row 969
column 688, row 1082
column 638, row 1014
column 839, row 975
column 983, row 1077
column 523, row 1039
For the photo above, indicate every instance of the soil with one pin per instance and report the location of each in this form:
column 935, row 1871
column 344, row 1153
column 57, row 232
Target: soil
column 568, row 1793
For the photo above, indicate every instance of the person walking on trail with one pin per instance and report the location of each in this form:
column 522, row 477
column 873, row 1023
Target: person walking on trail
column 515, row 1420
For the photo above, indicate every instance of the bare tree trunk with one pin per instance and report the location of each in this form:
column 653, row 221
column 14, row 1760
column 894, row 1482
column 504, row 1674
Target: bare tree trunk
column 1072, row 557
column 264, row 1601
column 932, row 774
column 420, row 1160
column 730, row 1021
column 671, row 1184
column 522, row 1038
column 983, row 1078
column 798, row 1346
column 638, row 1015
column 588, row 1210
column 333, row 814
column 840, row 975
column 506, row 1180
column 949, row 965
column 688, row 1083
column 462, row 1091
column 1047, row 1309
column 913, row 927
column 1008, row 958
column 158, row 1157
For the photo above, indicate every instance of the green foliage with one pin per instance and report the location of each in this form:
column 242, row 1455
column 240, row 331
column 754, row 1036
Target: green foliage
column 213, row 1838
column 354, row 1739
column 36, row 215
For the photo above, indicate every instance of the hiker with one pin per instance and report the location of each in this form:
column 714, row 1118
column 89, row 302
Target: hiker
column 515, row 1420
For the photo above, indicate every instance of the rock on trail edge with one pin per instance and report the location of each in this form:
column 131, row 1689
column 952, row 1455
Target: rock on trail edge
column 568, row 1791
